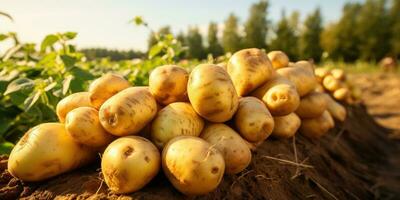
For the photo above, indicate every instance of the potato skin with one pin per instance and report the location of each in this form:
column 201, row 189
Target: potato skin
column 248, row 69
column 320, row 73
column 330, row 83
column 338, row 74
column 253, row 120
column 312, row 105
column 317, row 127
column 303, row 79
column 174, row 120
column 129, row 163
column 335, row 109
column 192, row 165
column 84, row 126
column 236, row 152
column 286, row 126
column 341, row 93
column 278, row 59
column 305, row 65
column 45, row 151
column 128, row 111
column 168, row 84
column 212, row 93
column 105, row 87
column 71, row 102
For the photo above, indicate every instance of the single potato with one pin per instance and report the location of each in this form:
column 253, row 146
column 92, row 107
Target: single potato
column 71, row 102
column 330, row 83
column 305, row 65
column 341, row 93
column 303, row 79
column 335, row 109
column 321, row 73
column 278, row 59
column 286, row 126
column 312, row 105
column 317, row 127
column 338, row 74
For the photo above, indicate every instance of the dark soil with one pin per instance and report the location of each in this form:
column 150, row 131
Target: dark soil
column 356, row 160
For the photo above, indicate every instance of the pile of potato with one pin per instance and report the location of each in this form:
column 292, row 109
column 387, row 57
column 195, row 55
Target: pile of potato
column 194, row 126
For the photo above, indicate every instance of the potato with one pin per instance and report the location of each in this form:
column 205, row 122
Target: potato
column 45, row 151
column 212, row 93
column 341, row 93
column 335, row 109
column 305, row 65
column 331, row 83
column 312, row 105
column 321, row 73
column 192, row 165
column 224, row 65
column 129, row 163
column 303, row 79
column 174, row 120
column 168, row 84
column 319, row 88
column 71, row 102
column 253, row 120
column 128, row 112
column 84, row 126
column 236, row 153
column 286, row 126
column 278, row 59
column 338, row 74
column 317, row 127
column 249, row 69
column 105, row 87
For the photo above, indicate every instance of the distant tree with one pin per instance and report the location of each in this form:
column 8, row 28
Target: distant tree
column 181, row 38
column 214, row 47
column 395, row 27
column 195, row 44
column 286, row 37
column 162, row 31
column 231, row 40
column 256, row 26
column 310, row 37
column 114, row 55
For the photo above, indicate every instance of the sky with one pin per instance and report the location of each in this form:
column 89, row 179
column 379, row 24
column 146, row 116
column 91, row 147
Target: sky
column 104, row 23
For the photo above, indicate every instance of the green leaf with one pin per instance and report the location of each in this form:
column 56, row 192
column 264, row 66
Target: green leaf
column 19, row 85
column 31, row 100
column 6, row 147
column 70, row 35
column 49, row 40
column 3, row 36
column 66, row 84
column 138, row 20
column 69, row 61
column 155, row 50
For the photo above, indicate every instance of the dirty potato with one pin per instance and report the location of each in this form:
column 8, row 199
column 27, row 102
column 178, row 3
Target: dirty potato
column 303, row 79
column 71, row 102
column 317, row 127
column 278, row 59
column 312, row 105
column 286, row 126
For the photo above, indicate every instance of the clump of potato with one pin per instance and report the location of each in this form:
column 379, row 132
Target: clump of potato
column 234, row 149
column 303, row 79
column 192, row 165
column 174, row 120
column 249, row 69
column 286, row 126
column 317, row 127
column 278, row 59
column 129, row 163
column 211, row 93
column 253, row 120
column 71, row 102
column 168, row 84
column 312, row 105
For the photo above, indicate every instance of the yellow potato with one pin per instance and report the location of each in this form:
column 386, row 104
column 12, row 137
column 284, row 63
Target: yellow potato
column 84, row 126
column 212, row 93
column 71, row 102
column 335, row 109
column 249, row 69
column 45, row 151
column 341, row 93
column 168, row 84
column 305, row 65
column 128, row 112
column 224, row 65
column 319, row 88
column 174, row 120
column 330, row 83
column 312, row 105
column 278, row 59
column 253, row 120
column 338, row 74
column 321, row 73
column 192, row 165
column 129, row 163
column 105, row 87
column 234, row 149
column 317, row 127
column 303, row 79
column 286, row 126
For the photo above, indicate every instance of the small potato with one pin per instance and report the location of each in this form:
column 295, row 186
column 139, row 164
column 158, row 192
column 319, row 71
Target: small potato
column 249, row 69
column 128, row 112
column 319, row 88
column 335, row 109
column 211, row 93
column 312, row 105
column 331, row 83
column 129, row 163
column 192, row 165
column 71, row 102
column 105, row 87
column 278, row 59
column 317, row 127
column 286, row 126
column 84, row 126
column 253, row 120
column 338, row 74
column 303, row 79
column 174, row 120
column 45, row 151
column 341, row 93
column 321, row 73
column 305, row 65
column 234, row 149
column 168, row 84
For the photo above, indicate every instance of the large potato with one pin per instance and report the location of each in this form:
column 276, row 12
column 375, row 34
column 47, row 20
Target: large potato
column 234, row 149
column 286, row 126
column 248, row 69
column 212, row 93
column 278, row 59
column 129, row 163
column 335, row 109
column 105, row 87
column 128, row 111
column 71, row 102
column 45, row 151
column 168, row 84
column 253, row 120
column 331, row 83
column 312, row 105
column 303, row 79
column 317, row 127
column 192, row 165
column 84, row 126
column 174, row 120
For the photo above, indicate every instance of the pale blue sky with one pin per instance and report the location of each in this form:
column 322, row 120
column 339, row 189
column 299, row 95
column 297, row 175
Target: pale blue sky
column 104, row 23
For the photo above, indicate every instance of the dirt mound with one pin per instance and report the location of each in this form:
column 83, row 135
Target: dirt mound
column 355, row 161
